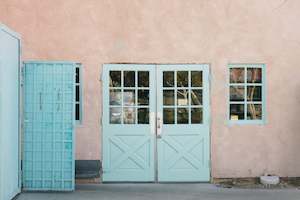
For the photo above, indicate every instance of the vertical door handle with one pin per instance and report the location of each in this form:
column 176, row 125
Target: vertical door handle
column 58, row 99
column 152, row 122
column 159, row 125
column 41, row 106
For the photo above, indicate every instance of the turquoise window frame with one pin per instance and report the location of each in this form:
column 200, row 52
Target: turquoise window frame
column 80, row 103
column 262, row 121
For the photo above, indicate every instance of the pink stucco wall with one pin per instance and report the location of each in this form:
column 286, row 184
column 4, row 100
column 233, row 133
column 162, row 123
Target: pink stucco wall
column 174, row 31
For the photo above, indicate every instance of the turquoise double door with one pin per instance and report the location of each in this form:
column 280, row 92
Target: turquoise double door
column 156, row 123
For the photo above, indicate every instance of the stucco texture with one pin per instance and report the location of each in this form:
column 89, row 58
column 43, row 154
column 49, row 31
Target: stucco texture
column 218, row 32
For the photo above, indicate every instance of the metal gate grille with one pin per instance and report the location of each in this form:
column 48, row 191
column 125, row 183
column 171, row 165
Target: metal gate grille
column 48, row 156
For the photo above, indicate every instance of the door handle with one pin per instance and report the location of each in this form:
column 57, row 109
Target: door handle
column 159, row 125
column 152, row 122
column 41, row 107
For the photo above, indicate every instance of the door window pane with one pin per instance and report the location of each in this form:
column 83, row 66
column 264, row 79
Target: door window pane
column 143, row 79
column 169, row 98
column 129, row 116
column 254, row 111
column 182, row 116
column 254, row 75
column 169, row 116
column 129, row 97
column 237, row 111
column 182, row 97
column 129, row 78
column 115, row 115
column 168, row 79
column 237, row 75
column 254, row 93
column 237, row 93
column 143, row 116
column 182, row 79
column 196, row 115
column 115, row 97
column 196, row 96
column 196, row 78
column 143, row 97
column 115, row 78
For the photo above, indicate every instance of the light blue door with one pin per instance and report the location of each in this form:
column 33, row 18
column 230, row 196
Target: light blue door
column 128, row 131
column 156, row 123
column 183, row 123
column 48, row 142
column 9, row 114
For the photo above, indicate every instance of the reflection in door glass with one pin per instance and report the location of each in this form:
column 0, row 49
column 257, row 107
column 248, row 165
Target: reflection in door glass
column 143, row 79
column 129, row 115
column 143, row 97
column 196, row 115
column 115, row 78
column 196, row 97
column 182, row 79
column 115, row 115
column 129, row 78
column 168, row 79
column 196, row 78
column 129, row 97
column 115, row 97
column 182, row 116
column 182, row 97
column 143, row 115
column 169, row 98
column 169, row 116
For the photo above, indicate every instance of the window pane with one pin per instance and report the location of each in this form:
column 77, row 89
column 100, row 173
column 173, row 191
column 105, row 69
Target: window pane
column 196, row 115
column 77, row 111
column 196, row 78
column 129, row 97
column 237, row 111
column 129, row 116
column 182, row 116
column 115, row 115
column 182, row 79
column 237, row 93
column 77, row 74
column 237, row 75
column 115, row 78
column 143, row 97
column 254, row 111
column 168, row 79
column 169, row 116
column 115, row 97
column 254, row 75
column 169, row 98
column 129, row 78
column 77, row 92
column 196, row 96
column 182, row 97
column 254, row 93
column 143, row 79
column 143, row 115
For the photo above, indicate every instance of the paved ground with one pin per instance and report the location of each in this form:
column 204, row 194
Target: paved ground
column 164, row 192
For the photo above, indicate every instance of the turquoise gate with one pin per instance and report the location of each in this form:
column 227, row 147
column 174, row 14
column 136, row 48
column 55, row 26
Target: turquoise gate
column 9, row 114
column 48, row 143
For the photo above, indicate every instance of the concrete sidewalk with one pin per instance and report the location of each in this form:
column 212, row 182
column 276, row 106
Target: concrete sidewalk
column 164, row 192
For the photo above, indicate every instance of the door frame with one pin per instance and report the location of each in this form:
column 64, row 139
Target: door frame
column 101, row 78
